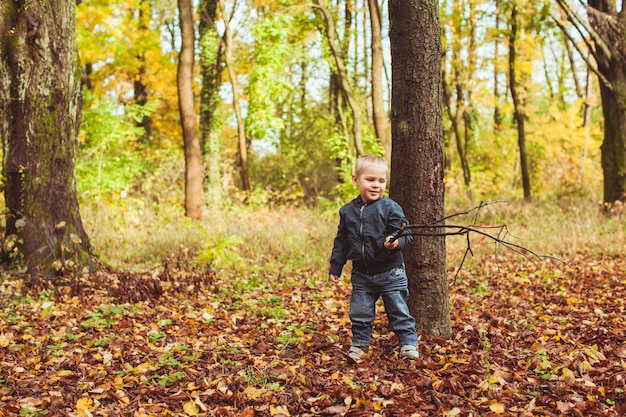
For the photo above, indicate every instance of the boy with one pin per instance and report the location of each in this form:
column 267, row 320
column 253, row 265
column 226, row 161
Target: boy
column 366, row 226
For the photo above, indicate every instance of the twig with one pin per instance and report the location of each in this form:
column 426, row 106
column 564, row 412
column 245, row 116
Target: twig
column 460, row 230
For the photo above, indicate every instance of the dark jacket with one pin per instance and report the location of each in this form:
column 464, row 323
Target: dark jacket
column 361, row 236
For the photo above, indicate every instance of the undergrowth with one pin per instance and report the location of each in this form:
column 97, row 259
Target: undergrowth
column 136, row 235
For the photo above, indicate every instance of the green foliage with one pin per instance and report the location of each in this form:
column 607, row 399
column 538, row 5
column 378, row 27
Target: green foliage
column 268, row 86
column 222, row 251
column 108, row 158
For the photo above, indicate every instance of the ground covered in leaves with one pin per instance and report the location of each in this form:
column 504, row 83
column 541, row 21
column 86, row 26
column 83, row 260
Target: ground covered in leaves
column 544, row 340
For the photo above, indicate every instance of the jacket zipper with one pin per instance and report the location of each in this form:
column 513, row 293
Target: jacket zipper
column 363, row 239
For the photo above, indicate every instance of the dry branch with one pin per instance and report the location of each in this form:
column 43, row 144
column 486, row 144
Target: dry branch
column 440, row 228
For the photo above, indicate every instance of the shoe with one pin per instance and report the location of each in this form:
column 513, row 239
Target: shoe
column 409, row 352
column 357, row 353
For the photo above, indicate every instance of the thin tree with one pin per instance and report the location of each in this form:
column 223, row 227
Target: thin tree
column 497, row 112
column 140, row 89
column 342, row 75
column 40, row 107
column 380, row 114
column 417, row 153
column 518, row 105
column 227, row 40
column 186, row 105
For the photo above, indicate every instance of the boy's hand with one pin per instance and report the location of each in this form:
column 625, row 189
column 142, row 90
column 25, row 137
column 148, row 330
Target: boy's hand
column 391, row 245
column 333, row 277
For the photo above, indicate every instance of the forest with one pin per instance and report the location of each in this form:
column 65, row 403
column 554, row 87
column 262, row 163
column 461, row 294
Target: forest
column 173, row 171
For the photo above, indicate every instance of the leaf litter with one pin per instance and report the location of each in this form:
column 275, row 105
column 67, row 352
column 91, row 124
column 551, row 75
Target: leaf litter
column 187, row 341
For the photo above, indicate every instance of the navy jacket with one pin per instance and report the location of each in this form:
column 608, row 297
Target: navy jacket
column 361, row 236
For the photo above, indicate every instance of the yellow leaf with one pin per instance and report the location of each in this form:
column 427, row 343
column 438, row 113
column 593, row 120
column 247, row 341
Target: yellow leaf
column 454, row 412
column 6, row 339
column 253, row 393
column 497, row 408
column 279, row 410
column 191, row 408
column 84, row 407
column 140, row 369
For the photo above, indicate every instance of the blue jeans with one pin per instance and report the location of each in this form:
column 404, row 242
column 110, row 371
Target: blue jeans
column 392, row 285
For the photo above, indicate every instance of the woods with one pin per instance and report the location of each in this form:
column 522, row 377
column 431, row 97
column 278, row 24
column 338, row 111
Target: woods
column 209, row 145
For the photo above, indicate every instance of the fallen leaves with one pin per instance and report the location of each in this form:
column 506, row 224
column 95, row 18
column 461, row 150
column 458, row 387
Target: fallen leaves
column 526, row 342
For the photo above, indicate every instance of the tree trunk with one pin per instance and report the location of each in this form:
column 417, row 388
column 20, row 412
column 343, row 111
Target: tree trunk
column 518, row 107
column 41, row 101
column 232, row 75
column 191, row 139
column 417, row 154
column 140, row 89
column 607, row 43
column 611, row 26
column 497, row 116
column 210, row 71
column 379, row 113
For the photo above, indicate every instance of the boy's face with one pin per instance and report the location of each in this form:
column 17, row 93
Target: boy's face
column 371, row 182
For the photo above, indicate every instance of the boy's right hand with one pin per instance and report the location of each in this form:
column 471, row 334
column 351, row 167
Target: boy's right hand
column 333, row 277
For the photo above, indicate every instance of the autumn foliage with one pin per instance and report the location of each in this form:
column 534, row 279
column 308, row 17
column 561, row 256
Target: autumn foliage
column 544, row 339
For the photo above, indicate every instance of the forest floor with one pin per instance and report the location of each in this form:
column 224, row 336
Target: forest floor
column 529, row 340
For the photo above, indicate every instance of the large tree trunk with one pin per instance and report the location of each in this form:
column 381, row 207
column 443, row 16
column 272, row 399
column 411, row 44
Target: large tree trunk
column 379, row 113
column 191, row 138
column 611, row 26
column 417, row 154
column 41, row 99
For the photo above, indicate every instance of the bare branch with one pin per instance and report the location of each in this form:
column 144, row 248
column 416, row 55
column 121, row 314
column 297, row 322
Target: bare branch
column 592, row 66
column 579, row 23
column 499, row 237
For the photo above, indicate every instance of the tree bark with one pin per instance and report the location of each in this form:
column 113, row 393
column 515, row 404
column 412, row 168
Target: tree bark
column 607, row 43
column 611, row 26
column 518, row 107
column 210, row 71
column 40, row 103
column 186, row 105
column 380, row 115
column 417, row 153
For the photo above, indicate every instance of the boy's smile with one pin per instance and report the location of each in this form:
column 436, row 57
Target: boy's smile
column 371, row 182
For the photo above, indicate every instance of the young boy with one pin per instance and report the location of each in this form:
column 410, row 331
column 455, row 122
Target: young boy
column 366, row 226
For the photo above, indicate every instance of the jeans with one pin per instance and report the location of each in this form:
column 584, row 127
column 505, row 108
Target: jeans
column 366, row 290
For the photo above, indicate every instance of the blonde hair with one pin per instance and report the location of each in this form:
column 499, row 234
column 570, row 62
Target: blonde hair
column 364, row 161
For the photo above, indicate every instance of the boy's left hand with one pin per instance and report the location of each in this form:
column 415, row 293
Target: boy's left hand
column 391, row 245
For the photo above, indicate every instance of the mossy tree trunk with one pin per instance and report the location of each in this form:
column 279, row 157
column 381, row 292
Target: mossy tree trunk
column 41, row 99
column 417, row 164
column 211, row 67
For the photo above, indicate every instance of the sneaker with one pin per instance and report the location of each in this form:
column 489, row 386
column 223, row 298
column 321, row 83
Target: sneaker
column 357, row 353
column 409, row 352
